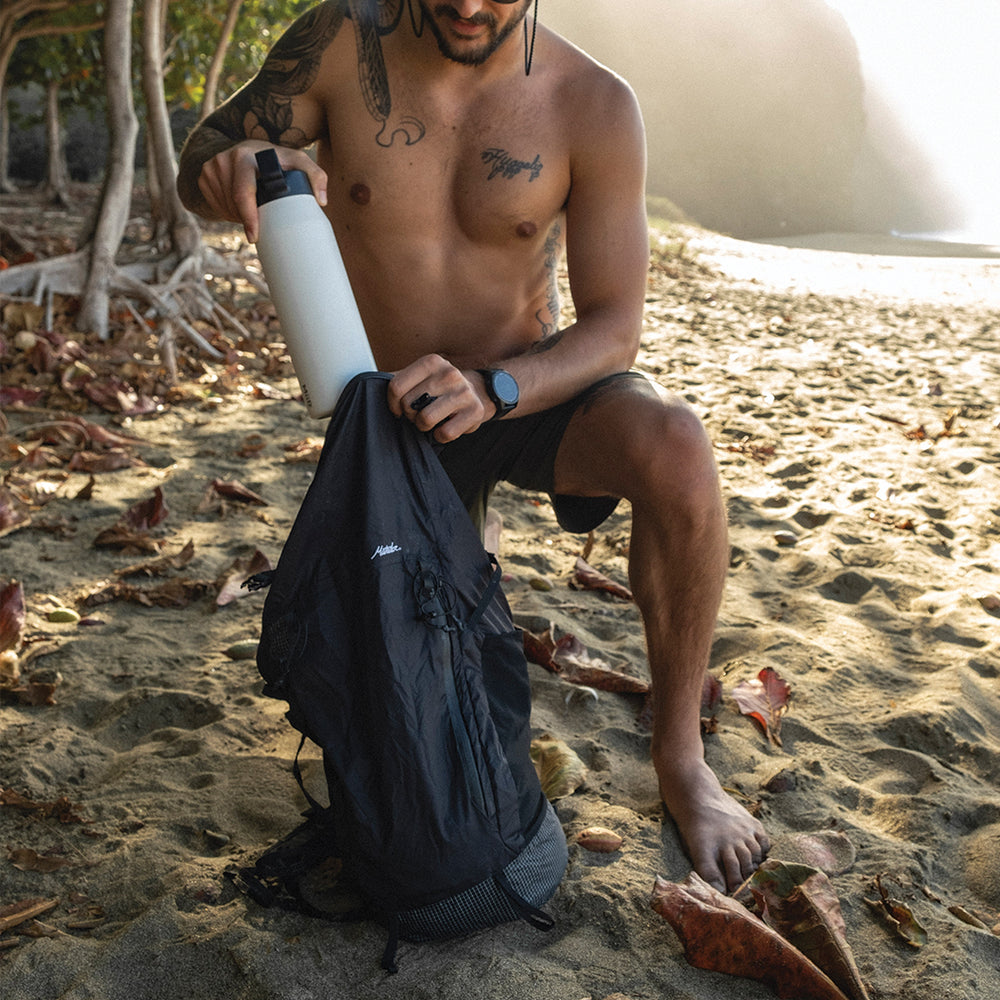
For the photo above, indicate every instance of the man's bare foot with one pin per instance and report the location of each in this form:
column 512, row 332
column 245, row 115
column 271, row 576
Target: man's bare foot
column 724, row 842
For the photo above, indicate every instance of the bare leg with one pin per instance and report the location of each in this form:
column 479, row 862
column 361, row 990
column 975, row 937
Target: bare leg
column 632, row 443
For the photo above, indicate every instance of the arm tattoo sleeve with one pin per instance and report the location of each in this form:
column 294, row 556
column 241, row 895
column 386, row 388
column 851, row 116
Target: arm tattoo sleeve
column 263, row 108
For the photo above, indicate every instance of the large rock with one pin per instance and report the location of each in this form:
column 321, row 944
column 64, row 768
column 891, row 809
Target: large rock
column 756, row 114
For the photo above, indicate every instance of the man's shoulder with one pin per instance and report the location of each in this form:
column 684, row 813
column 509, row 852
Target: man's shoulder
column 582, row 73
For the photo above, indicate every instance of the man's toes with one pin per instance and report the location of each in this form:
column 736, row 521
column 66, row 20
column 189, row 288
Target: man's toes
column 707, row 867
column 763, row 846
column 734, row 866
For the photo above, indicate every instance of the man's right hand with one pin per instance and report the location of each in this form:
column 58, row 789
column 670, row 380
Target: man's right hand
column 228, row 182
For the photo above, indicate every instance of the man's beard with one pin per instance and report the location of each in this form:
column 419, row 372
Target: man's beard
column 470, row 55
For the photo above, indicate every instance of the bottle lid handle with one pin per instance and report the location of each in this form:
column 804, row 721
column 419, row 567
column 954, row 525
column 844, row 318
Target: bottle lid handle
column 273, row 182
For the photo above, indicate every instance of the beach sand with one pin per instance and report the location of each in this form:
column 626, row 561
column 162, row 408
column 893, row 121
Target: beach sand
column 853, row 402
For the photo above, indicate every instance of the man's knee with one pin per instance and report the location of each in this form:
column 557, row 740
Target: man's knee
column 671, row 451
column 638, row 441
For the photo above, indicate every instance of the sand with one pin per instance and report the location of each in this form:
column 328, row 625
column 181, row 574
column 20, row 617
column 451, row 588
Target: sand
column 853, row 402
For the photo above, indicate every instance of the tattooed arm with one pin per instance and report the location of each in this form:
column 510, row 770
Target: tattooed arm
column 278, row 107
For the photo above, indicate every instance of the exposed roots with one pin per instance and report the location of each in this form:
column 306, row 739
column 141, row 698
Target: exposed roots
column 176, row 291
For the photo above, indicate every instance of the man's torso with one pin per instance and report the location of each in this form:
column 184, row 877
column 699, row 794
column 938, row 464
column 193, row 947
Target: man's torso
column 449, row 210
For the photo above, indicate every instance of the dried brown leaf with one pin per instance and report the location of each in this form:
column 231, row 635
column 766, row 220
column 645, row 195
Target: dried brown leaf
column 231, row 583
column 799, row 902
column 33, row 693
column 571, row 660
column 560, row 770
column 307, row 450
column 161, row 566
column 106, row 461
column 765, row 700
column 62, row 809
column 233, row 489
column 26, row 860
column 169, row 594
column 147, row 513
column 898, row 915
column 129, row 540
column 13, row 514
column 12, row 613
column 721, row 935
column 585, row 577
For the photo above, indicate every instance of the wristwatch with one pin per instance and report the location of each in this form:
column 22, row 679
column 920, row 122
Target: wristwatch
column 501, row 387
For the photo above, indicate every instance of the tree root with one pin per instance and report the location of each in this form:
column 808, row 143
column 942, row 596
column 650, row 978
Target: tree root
column 173, row 290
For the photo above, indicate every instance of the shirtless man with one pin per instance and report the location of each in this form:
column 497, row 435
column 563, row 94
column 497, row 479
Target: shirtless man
column 454, row 181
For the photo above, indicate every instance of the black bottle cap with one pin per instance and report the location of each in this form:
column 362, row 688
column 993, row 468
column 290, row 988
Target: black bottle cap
column 273, row 182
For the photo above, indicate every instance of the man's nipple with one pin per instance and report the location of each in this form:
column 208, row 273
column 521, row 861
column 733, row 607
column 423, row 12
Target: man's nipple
column 526, row 229
column 361, row 194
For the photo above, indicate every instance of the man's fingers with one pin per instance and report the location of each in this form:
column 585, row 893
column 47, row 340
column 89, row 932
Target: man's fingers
column 435, row 395
column 228, row 182
column 422, row 401
column 317, row 180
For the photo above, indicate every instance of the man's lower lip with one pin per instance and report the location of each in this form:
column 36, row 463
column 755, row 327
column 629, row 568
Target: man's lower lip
column 467, row 28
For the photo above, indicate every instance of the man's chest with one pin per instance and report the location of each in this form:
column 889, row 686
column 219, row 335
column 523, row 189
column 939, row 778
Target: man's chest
column 493, row 175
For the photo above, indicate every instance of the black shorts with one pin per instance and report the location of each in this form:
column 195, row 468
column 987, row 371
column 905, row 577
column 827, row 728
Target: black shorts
column 522, row 451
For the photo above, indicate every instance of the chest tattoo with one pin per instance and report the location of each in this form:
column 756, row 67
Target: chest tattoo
column 502, row 164
column 372, row 22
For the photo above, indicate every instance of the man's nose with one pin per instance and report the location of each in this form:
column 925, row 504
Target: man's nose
column 467, row 8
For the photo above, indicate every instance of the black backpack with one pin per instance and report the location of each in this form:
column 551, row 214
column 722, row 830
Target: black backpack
column 386, row 631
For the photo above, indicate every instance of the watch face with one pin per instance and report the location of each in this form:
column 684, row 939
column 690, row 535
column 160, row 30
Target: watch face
column 505, row 387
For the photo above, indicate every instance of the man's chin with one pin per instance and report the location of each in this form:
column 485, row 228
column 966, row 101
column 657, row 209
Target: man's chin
column 467, row 55
column 471, row 51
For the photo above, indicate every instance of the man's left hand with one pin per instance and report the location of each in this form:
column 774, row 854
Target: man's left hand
column 437, row 396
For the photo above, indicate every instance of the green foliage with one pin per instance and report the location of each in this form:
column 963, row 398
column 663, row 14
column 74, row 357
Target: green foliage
column 193, row 35
column 191, row 38
column 72, row 57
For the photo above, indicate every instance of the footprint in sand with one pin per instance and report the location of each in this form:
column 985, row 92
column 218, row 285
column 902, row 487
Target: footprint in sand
column 847, row 588
column 132, row 718
column 982, row 864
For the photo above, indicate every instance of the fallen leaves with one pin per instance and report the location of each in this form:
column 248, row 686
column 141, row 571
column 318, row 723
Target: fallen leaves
column 306, row 451
column 560, row 770
column 160, row 566
column 37, row 689
column 898, row 915
column 55, row 448
column 221, row 490
column 765, row 700
column 570, row 659
column 230, row 585
column 177, row 593
column 585, row 577
column 12, row 615
column 800, row 903
column 60, row 809
column 919, row 432
column 130, row 533
column 761, row 453
column 31, row 692
column 721, row 935
column 27, row 860
column 14, row 513
column 600, row 840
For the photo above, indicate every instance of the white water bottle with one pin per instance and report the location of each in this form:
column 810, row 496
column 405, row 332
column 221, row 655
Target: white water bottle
column 309, row 286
